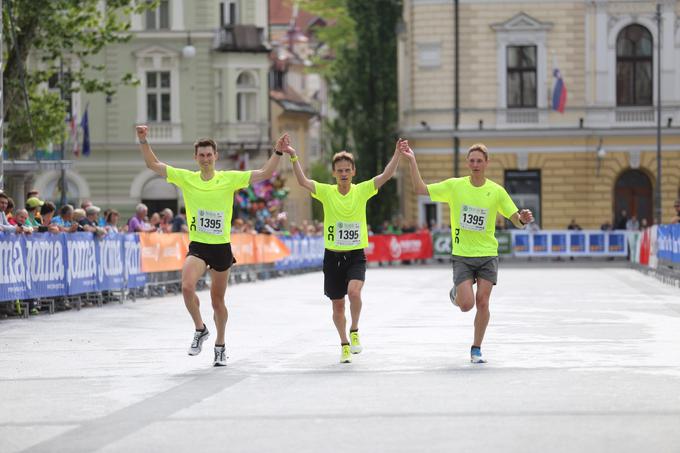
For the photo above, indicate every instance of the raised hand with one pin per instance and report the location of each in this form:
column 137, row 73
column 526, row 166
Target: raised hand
column 526, row 216
column 283, row 145
column 405, row 149
column 142, row 131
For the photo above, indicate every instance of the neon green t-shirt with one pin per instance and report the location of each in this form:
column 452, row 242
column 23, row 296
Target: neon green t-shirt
column 209, row 204
column 344, row 216
column 473, row 214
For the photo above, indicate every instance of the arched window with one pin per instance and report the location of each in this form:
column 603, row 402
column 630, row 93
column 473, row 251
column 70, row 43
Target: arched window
column 157, row 195
column 634, row 48
column 246, row 98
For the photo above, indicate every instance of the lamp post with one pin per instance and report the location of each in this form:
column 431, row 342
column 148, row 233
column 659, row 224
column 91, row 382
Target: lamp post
column 456, row 105
column 658, row 118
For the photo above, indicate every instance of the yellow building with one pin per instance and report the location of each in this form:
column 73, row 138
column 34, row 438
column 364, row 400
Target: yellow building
column 586, row 163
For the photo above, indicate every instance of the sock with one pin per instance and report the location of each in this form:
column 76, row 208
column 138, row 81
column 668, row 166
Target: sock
column 472, row 348
column 203, row 329
column 353, row 330
column 344, row 344
column 219, row 345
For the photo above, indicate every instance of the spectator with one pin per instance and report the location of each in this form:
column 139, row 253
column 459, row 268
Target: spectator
column 5, row 226
column 676, row 217
column 643, row 224
column 111, row 221
column 166, row 220
column 633, row 224
column 91, row 220
column 47, row 211
column 621, row 222
column 65, row 219
column 32, row 207
column 155, row 222
column 19, row 220
column 78, row 215
column 33, row 193
column 573, row 225
column 136, row 223
column 85, row 204
column 606, row 226
column 9, row 212
column 179, row 223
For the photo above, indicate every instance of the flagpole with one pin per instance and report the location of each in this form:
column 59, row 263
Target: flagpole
column 658, row 117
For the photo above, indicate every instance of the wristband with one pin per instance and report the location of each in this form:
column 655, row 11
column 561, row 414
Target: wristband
column 278, row 153
column 523, row 224
column 144, row 142
column 293, row 159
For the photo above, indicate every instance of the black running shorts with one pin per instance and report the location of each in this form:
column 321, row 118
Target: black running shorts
column 218, row 257
column 472, row 268
column 341, row 267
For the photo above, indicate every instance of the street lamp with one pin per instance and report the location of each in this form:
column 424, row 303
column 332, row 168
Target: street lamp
column 658, row 117
column 600, row 154
column 189, row 51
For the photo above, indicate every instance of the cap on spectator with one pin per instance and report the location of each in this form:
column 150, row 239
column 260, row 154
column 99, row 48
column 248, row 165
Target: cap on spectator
column 34, row 202
column 92, row 210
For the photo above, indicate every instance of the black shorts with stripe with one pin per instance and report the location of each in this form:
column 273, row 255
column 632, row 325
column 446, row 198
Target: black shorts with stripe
column 341, row 267
column 218, row 257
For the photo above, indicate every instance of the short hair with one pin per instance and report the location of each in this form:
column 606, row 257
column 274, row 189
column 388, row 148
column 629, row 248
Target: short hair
column 141, row 207
column 205, row 141
column 4, row 195
column 47, row 208
column 479, row 147
column 342, row 155
column 167, row 211
column 66, row 209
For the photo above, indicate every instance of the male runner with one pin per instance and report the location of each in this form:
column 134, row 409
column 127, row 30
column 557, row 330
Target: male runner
column 345, row 236
column 474, row 202
column 209, row 199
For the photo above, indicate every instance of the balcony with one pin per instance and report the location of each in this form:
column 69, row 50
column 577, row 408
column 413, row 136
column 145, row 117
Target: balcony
column 240, row 38
column 635, row 115
column 165, row 132
column 243, row 133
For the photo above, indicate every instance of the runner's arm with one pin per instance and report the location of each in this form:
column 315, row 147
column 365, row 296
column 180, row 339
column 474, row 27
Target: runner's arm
column 267, row 171
column 284, row 145
column 419, row 185
column 391, row 167
column 150, row 158
column 522, row 218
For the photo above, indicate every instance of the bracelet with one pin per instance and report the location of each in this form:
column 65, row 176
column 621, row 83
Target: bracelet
column 520, row 221
column 144, row 142
column 278, row 153
column 294, row 159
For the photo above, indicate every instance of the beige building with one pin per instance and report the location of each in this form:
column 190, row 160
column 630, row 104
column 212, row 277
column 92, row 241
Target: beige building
column 586, row 163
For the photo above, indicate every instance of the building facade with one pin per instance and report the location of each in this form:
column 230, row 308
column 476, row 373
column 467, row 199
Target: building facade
column 203, row 72
column 587, row 162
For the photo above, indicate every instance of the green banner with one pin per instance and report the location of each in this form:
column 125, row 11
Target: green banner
column 441, row 242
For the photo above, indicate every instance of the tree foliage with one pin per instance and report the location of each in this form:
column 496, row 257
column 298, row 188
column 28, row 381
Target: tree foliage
column 53, row 34
column 362, row 74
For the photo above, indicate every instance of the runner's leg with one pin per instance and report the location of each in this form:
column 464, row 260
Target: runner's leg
column 465, row 296
column 339, row 319
column 483, row 315
column 354, row 293
column 192, row 271
column 218, row 288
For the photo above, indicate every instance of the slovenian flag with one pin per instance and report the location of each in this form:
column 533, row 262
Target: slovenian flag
column 559, row 99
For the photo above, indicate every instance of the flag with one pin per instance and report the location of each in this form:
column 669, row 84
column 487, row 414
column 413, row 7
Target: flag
column 73, row 126
column 85, row 124
column 559, row 99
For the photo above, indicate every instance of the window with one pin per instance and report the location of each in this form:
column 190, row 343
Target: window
column 53, row 86
column 228, row 13
column 159, row 18
column 634, row 49
column 278, row 80
column 524, row 187
column 521, row 76
column 246, row 98
column 158, row 96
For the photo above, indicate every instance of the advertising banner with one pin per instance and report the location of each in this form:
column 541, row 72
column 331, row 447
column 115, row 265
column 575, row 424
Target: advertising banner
column 81, row 267
column 132, row 267
column 163, row 252
column 12, row 267
column 110, row 258
column 390, row 247
column 46, row 265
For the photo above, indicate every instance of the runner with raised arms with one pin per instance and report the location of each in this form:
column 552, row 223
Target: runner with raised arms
column 209, row 199
column 474, row 202
column 345, row 236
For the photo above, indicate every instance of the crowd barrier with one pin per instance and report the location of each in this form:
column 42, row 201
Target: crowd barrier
column 656, row 251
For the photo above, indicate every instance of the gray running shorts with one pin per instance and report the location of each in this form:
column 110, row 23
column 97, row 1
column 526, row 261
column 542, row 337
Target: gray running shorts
column 465, row 268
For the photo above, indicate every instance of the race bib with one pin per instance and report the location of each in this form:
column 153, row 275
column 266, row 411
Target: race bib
column 210, row 222
column 473, row 219
column 348, row 233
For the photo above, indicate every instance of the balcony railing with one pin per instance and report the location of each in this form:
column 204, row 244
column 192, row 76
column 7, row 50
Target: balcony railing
column 242, row 132
column 240, row 38
column 165, row 132
column 635, row 115
column 521, row 116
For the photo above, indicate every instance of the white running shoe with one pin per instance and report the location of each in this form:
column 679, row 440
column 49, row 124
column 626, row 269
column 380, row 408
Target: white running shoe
column 476, row 356
column 199, row 337
column 220, row 356
column 452, row 296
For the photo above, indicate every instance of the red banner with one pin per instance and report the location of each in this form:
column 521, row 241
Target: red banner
column 391, row 247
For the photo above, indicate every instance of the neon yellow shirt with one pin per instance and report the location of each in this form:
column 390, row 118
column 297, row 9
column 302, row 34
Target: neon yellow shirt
column 473, row 214
column 209, row 204
column 344, row 216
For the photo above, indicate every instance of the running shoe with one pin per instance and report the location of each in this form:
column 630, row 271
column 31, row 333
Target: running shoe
column 199, row 337
column 355, row 344
column 452, row 296
column 476, row 356
column 346, row 356
column 220, row 356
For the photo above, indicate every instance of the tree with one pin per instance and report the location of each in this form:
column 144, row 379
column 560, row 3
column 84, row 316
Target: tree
column 362, row 74
column 52, row 33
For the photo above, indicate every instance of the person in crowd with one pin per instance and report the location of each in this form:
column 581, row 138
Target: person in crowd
column 9, row 212
column 111, row 219
column 5, row 225
column 155, row 222
column 474, row 202
column 643, row 224
column 676, row 217
column 47, row 211
column 167, row 217
column 345, row 235
column 209, row 198
column 33, row 208
column 574, row 226
column 621, row 221
column 179, row 222
column 606, row 226
column 90, row 222
column 136, row 224
column 633, row 224
column 65, row 219
column 20, row 220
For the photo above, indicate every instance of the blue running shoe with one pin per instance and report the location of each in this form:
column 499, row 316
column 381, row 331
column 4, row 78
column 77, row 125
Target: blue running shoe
column 476, row 355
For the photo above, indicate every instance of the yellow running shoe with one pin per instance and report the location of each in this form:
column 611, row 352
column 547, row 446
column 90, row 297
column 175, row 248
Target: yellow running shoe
column 346, row 356
column 355, row 347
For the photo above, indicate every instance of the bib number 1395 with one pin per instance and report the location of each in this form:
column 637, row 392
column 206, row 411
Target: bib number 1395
column 473, row 219
column 348, row 233
column 210, row 222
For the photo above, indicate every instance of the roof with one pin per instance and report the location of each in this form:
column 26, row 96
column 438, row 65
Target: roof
column 291, row 101
column 281, row 12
